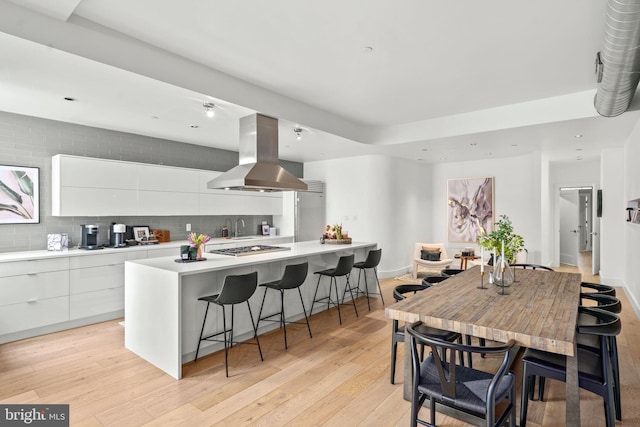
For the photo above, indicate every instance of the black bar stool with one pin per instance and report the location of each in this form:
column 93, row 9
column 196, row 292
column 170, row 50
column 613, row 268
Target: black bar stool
column 235, row 290
column 294, row 276
column 372, row 262
column 343, row 269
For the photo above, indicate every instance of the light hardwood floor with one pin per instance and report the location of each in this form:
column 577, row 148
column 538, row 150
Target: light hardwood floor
column 339, row 377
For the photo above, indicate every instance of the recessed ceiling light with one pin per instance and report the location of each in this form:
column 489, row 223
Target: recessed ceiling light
column 578, row 149
column 473, row 144
column 425, row 149
column 194, row 126
column 155, row 117
column 208, row 108
column 489, row 153
column 514, row 145
column 579, row 135
column 579, row 158
column 419, row 158
column 367, row 49
column 70, row 99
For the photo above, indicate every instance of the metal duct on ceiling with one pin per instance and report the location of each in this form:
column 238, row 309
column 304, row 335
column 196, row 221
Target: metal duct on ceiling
column 620, row 58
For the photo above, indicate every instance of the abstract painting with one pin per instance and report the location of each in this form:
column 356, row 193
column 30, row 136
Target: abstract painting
column 469, row 208
column 19, row 195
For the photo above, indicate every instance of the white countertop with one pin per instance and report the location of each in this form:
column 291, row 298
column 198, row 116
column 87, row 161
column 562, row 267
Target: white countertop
column 215, row 262
column 43, row 254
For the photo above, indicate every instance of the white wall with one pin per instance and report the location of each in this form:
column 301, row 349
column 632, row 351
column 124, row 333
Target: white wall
column 379, row 199
column 612, row 223
column 516, row 194
column 632, row 231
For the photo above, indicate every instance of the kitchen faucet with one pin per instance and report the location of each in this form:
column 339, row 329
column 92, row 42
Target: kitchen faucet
column 236, row 232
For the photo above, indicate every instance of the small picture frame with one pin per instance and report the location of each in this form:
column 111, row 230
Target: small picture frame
column 265, row 229
column 141, row 234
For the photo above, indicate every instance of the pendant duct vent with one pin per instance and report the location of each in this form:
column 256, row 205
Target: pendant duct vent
column 618, row 64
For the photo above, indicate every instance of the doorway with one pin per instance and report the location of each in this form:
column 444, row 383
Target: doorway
column 578, row 229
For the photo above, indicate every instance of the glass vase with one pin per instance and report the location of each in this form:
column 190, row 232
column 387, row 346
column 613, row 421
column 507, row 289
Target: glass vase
column 502, row 277
column 199, row 254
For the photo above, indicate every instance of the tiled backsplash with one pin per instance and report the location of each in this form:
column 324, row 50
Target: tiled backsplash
column 31, row 141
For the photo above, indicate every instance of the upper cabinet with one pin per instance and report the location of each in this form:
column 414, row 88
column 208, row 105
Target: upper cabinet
column 83, row 186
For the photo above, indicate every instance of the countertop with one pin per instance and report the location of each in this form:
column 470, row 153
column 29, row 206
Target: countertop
column 44, row 254
column 215, row 262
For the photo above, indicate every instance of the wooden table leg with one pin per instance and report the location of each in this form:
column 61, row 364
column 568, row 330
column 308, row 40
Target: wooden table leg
column 573, row 390
column 407, row 377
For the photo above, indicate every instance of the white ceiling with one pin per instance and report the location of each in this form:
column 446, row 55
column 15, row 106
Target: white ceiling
column 440, row 81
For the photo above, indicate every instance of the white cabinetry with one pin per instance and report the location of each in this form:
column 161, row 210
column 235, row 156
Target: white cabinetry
column 83, row 186
column 33, row 294
column 96, row 284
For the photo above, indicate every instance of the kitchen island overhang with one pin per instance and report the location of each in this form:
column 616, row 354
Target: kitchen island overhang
column 163, row 316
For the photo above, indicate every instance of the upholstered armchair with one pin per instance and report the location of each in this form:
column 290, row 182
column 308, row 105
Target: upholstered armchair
column 443, row 262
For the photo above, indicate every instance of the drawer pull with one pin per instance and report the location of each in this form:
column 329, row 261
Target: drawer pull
column 32, row 274
column 32, row 300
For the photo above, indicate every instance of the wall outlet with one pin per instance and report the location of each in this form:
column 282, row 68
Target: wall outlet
column 188, row 227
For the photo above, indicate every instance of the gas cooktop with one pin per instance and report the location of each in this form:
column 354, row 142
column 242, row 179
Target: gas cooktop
column 248, row 250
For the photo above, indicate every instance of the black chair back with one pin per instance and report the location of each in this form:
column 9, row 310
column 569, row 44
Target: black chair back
column 345, row 265
column 451, row 272
column 599, row 288
column 532, row 267
column 400, row 290
column 434, row 279
column 294, row 275
column 605, row 302
column 373, row 258
column 238, row 288
column 608, row 324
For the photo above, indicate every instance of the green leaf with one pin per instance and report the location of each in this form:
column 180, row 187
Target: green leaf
column 25, row 183
column 11, row 208
column 15, row 196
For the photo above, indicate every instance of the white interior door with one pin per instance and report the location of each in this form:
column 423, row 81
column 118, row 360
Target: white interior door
column 569, row 230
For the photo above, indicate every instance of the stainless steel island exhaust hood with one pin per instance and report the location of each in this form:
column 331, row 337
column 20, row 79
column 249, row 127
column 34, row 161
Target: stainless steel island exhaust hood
column 258, row 169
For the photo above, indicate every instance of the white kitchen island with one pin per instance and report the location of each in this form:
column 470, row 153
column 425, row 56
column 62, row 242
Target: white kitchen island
column 163, row 316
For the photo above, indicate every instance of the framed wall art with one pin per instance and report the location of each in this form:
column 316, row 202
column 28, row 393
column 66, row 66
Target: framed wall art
column 19, row 195
column 469, row 208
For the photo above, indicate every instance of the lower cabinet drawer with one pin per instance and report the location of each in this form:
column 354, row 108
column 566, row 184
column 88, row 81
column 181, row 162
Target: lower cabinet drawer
column 98, row 302
column 96, row 278
column 32, row 287
column 28, row 315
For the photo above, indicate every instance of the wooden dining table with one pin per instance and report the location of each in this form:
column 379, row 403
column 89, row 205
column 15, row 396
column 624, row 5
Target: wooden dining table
column 539, row 311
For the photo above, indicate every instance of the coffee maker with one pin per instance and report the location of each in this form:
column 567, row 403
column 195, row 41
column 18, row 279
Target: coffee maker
column 117, row 235
column 89, row 237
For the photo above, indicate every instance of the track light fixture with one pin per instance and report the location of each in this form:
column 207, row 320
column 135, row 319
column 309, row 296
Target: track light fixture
column 298, row 132
column 208, row 108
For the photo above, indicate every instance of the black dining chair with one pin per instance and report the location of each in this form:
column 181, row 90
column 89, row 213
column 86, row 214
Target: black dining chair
column 594, row 369
column 398, row 332
column 469, row 390
column 236, row 289
column 370, row 263
column 293, row 277
column 591, row 342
